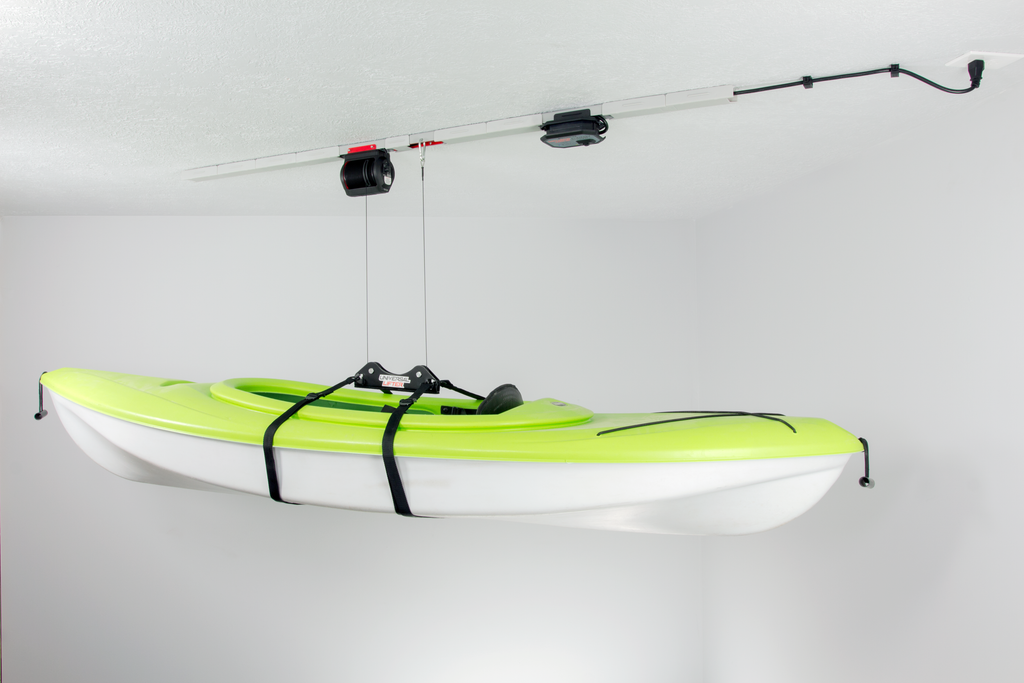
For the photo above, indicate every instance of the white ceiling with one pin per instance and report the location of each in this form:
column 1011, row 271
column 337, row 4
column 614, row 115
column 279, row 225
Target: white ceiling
column 102, row 104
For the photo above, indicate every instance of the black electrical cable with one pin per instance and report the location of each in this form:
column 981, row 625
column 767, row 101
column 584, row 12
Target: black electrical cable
column 974, row 69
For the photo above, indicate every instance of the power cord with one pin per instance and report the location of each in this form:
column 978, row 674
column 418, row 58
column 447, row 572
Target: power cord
column 974, row 70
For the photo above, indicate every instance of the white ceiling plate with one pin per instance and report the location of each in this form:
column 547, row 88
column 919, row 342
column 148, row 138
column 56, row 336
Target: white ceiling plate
column 277, row 161
column 236, row 167
column 516, row 124
column 473, row 130
column 397, row 141
column 700, row 98
column 993, row 60
column 322, row 154
column 633, row 107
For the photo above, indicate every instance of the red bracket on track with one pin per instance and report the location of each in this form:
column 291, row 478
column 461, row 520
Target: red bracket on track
column 426, row 144
column 364, row 148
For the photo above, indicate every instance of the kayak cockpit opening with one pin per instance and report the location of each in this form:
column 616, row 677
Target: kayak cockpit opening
column 372, row 390
column 328, row 403
column 503, row 398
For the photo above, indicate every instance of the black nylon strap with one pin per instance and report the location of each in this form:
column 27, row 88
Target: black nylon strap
column 398, row 498
column 268, row 436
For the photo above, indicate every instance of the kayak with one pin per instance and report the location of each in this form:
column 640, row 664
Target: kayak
column 542, row 461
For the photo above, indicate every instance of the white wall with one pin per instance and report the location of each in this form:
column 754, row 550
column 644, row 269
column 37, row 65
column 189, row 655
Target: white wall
column 884, row 294
column 110, row 580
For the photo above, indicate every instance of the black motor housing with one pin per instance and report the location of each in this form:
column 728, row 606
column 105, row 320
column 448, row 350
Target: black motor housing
column 574, row 129
column 366, row 173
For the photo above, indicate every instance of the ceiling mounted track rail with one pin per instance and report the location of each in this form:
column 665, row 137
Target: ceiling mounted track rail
column 531, row 123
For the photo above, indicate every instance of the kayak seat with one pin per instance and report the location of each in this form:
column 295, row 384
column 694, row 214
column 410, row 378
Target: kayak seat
column 505, row 397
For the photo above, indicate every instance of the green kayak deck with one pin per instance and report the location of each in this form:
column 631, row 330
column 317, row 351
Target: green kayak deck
column 351, row 421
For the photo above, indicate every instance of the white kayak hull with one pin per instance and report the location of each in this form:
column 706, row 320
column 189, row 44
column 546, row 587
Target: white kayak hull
column 716, row 497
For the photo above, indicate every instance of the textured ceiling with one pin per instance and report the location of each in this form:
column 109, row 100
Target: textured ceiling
column 102, row 104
